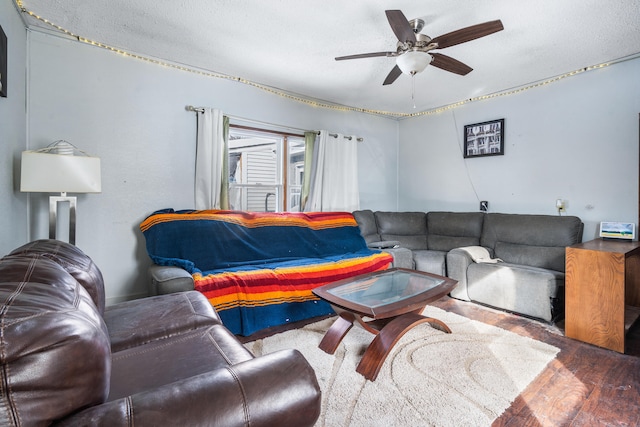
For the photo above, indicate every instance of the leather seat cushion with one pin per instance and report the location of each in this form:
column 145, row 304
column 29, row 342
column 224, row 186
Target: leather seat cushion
column 136, row 322
column 162, row 362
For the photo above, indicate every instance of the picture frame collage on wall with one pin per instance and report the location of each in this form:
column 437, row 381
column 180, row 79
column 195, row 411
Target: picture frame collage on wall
column 484, row 139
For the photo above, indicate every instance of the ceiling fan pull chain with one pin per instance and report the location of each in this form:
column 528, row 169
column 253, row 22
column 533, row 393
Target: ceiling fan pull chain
column 413, row 89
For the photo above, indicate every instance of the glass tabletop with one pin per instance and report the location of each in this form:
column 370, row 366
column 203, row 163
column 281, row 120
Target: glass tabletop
column 385, row 288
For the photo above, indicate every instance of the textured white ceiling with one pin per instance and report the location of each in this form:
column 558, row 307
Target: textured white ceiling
column 291, row 44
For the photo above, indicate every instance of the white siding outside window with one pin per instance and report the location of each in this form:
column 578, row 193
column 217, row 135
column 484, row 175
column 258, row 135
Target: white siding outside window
column 256, row 169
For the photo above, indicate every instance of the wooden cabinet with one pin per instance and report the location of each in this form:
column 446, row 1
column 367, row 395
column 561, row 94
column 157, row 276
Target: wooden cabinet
column 602, row 291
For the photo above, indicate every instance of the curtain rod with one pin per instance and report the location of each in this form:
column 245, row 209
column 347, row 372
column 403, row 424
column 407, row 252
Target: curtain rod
column 201, row 110
column 335, row 135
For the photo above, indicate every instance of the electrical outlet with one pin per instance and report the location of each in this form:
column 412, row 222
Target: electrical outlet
column 484, row 206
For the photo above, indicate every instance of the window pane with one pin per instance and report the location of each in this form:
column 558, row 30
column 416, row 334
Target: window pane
column 295, row 173
column 258, row 167
column 254, row 198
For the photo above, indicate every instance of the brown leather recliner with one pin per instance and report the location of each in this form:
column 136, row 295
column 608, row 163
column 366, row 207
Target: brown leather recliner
column 165, row 360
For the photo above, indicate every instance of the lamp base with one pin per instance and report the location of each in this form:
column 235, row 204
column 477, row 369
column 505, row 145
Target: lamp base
column 53, row 215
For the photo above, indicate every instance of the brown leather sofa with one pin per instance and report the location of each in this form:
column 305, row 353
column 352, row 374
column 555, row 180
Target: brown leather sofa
column 164, row 360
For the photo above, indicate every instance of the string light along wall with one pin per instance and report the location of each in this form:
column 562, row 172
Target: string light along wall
column 309, row 101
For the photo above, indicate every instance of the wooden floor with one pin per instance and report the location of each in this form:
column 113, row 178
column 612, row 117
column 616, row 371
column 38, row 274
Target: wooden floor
column 584, row 386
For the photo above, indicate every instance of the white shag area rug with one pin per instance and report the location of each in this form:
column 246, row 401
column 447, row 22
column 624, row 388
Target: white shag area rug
column 466, row 378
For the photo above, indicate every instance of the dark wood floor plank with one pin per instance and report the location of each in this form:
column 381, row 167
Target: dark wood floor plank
column 536, row 406
column 584, row 386
column 617, row 393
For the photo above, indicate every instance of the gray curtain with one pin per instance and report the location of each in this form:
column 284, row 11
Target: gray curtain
column 309, row 142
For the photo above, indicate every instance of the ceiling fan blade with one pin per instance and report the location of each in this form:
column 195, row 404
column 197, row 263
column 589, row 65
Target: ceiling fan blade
column 366, row 55
column 392, row 76
column 447, row 63
column 400, row 26
column 467, row 34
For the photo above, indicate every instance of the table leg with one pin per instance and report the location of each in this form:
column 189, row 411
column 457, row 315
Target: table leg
column 335, row 334
column 382, row 344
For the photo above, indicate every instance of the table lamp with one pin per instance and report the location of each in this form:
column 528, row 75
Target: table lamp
column 60, row 168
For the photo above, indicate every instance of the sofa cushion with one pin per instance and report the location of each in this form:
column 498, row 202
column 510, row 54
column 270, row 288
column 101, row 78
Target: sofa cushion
column 408, row 228
column 55, row 348
column 517, row 288
column 552, row 258
column 430, row 261
column 402, row 257
column 508, row 235
column 136, row 322
column 162, row 362
column 450, row 230
column 534, row 230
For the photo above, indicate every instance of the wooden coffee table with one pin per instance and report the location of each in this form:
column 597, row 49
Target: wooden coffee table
column 386, row 303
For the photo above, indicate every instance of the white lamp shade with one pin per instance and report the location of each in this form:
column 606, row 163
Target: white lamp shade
column 59, row 173
column 413, row 62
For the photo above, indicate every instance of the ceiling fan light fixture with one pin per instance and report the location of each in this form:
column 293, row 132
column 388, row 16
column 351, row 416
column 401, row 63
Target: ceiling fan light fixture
column 413, row 62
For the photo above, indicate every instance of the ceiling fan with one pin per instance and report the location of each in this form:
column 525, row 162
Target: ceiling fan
column 414, row 50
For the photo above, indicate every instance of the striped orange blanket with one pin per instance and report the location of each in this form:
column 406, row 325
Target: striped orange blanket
column 258, row 269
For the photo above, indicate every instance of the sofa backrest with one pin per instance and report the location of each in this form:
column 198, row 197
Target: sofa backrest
column 217, row 239
column 534, row 240
column 55, row 356
column 74, row 261
column 367, row 223
column 450, row 230
column 408, row 228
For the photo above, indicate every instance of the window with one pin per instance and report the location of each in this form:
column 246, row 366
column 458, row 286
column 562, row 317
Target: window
column 266, row 169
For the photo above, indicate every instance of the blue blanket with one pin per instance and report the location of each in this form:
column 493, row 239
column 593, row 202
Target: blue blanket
column 258, row 269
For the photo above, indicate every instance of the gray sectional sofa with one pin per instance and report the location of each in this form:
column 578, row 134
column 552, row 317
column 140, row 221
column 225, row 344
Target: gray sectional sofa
column 512, row 262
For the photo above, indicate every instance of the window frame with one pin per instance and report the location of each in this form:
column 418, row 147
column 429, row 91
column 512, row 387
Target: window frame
column 283, row 141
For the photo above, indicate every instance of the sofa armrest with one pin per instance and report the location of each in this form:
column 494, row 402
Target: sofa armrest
column 458, row 261
column 168, row 279
column 276, row 389
column 402, row 257
column 384, row 244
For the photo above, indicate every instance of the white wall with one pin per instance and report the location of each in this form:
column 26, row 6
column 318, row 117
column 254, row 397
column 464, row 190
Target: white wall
column 132, row 115
column 13, row 221
column 576, row 139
